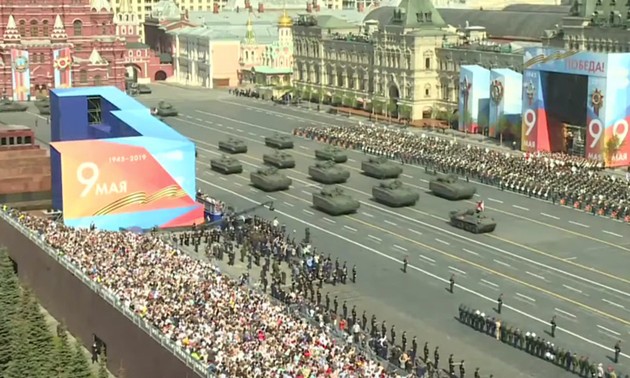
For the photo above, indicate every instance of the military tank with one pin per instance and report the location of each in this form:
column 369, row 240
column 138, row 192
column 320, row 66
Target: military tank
column 233, row 146
column 332, row 200
column 451, row 188
column 279, row 159
column 472, row 221
column 269, row 179
column 395, row 194
column 327, row 172
column 333, row 153
column 381, row 168
column 279, row 141
column 226, row 165
column 165, row 109
column 7, row 105
column 43, row 105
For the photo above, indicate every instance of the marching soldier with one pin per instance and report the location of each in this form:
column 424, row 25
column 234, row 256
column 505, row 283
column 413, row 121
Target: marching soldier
column 327, row 302
column 405, row 263
column 364, row 320
column 462, row 371
column 426, row 351
column 335, row 305
column 499, row 303
column 354, row 274
column 319, row 297
column 477, row 375
column 451, row 365
column 617, row 350
column 392, row 333
column 354, row 314
column 436, row 357
column 414, row 347
column 344, row 273
column 553, row 326
column 403, row 338
column 373, row 325
column 344, row 310
column 383, row 329
column 451, row 283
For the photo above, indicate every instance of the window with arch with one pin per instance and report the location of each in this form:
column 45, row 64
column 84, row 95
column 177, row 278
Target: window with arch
column 98, row 80
column 427, row 90
column 45, row 28
column 77, row 26
column 427, row 63
column 34, row 28
column 83, row 76
column 22, row 28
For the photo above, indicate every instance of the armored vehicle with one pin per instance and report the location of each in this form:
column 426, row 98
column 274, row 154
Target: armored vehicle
column 7, row 105
column 233, row 146
column 270, row 180
column 393, row 193
column 165, row 109
column 226, row 165
column 279, row 159
column 472, row 221
column 327, row 172
column 144, row 89
column 279, row 141
column 332, row 200
column 333, row 153
column 381, row 168
column 451, row 188
column 43, row 106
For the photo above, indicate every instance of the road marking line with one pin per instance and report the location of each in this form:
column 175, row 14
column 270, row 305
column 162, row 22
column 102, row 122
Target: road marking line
column 550, row 216
column 501, row 263
column 238, row 184
column 222, row 178
column 308, row 212
column 229, row 127
column 495, row 200
column 272, row 198
column 253, row 190
column 457, row 270
column 489, row 283
column 536, row 275
column 252, row 134
column 221, row 125
column 350, row 228
column 579, row 224
column 612, row 233
column 572, row 288
column 608, row 330
column 288, row 204
column 304, row 147
column 520, row 207
column 613, row 303
column 390, row 223
column 566, row 313
column 368, row 215
column 307, row 193
column 199, row 119
column 525, row 297
column 570, row 258
column 328, row 220
column 469, row 251
column 407, row 176
column 442, row 241
column 212, row 123
column 425, row 181
column 352, row 160
column 375, row 238
column 399, row 247
column 187, row 116
column 414, row 231
column 239, row 130
column 427, row 258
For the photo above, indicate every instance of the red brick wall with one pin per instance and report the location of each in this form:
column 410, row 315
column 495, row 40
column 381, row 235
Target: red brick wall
column 24, row 171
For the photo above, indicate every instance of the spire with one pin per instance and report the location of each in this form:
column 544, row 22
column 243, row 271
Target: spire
column 59, row 31
column 250, row 37
column 101, row 5
column 11, row 33
column 96, row 58
column 414, row 14
column 285, row 21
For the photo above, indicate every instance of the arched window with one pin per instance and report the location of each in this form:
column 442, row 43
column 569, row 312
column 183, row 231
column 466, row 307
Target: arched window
column 78, row 27
column 22, row 28
column 45, row 28
column 98, row 81
column 83, row 77
column 34, row 28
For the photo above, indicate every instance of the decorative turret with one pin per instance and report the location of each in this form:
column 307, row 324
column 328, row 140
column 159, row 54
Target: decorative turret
column 250, row 37
column 96, row 58
column 127, row 22
column 101, row 5
column 285, row 21
column 11, row 33
column 59, row 31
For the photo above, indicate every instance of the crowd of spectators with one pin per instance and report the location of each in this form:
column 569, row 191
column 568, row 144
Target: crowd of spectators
column 569, row 180
column 235, row 331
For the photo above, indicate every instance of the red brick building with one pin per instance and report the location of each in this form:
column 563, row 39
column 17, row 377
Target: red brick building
column 73, row 44
column 165, row 17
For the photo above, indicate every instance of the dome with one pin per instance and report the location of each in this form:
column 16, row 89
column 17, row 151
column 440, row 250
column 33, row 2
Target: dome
column 285, row 21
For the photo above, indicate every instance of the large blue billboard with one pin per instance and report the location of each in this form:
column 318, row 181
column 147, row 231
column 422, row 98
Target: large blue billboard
column 505, row 101
column 474, row 98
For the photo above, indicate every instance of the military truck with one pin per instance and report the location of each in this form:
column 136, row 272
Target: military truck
column 332, row 153
column 8, row 105
column 226, row 165
column 472, row 221
column 43, row 105
column 381, row 168
column 279, row 159
column 327, row 172
column 279, row 141
column 395, row 194
column 269, row 179
column 451, row 188
column 332, row 200
column 233, row 146
column 165, row 109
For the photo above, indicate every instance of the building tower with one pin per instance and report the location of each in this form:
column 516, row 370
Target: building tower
column 59, row 31
column 250, row 37
column 11, row 33
column 127, row 22
column 285, row 36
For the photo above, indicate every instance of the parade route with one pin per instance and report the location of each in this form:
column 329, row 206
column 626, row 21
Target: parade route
column 547, row 260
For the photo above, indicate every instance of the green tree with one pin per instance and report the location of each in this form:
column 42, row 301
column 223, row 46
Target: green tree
column 504, row 126
column 62, row 353
column 9, row 300
column 39, row 337
column 102, row 367
column 79, row 366
column 20, row 365
column 405, row 111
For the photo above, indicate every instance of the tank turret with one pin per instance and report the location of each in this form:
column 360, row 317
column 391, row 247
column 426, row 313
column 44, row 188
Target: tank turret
column 452, row 188
column 472, row 221
column 279, row 141
column 269, row 179
column 334, row 201
column 226, row 165
column 395, row 194
column 165, row 109
column 327, row 172
column 279, row 159
column 381, row 168
column 7, row 105
column 233, row 146
column 333, row 153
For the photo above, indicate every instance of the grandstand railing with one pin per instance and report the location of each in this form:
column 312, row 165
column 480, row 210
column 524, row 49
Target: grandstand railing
column 195, row 365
